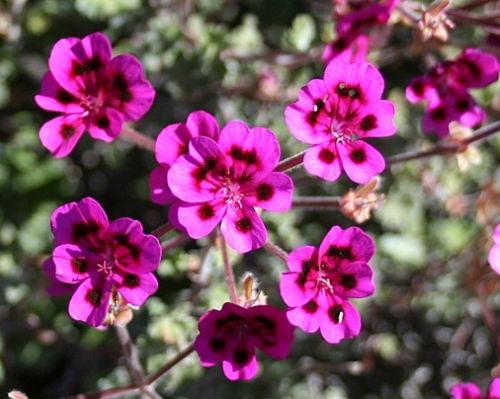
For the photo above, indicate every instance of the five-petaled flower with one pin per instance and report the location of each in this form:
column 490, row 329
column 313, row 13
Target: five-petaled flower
column 231, row 334
column 335, row 114
column 172, row 143
column 102, row 264
column 445, row 89
column 320, row 282
column 224, row 181
column 472, row 391
column 494, row 255
column 93, row 90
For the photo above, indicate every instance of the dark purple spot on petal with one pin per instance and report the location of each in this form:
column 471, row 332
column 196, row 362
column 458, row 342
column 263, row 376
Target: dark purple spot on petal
column 268, row 323
column 241, row 356
column 90, row 65
column 130, row 280
column 64, row 97
column 122, row 87
column 66, row 131
column 202, row 172
column 418, row 88
column 462, row 104
column 438, row 114
column 267, row 342
column 206, row 211
column 79, row 265
column 249, row 157
column 264, row 192
column 348, row 281
column 472, row 68
column 217, row 344
column 306, row 268
column 244, row 225
column 310, row 307
column 340, row 44
column 231, row 318
column 94, row 297
column 81, row 231
column 183, row 149
column 336, row 314
column 368, row 122
column 344, row 90
column 123, row 241
column 358, row 155
column 339, row 252
column 326, row 156
column 103, row 122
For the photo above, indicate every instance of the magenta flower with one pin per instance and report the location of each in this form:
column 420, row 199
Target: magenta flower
column 335, row 114
column 445, row 90
column 494, row 255
column 231, row 334
column 97, row 260
column 173, row 142
column 93, row 91
column 320, row 282
column 472, row 391
column 223, row 182
column 349, row 49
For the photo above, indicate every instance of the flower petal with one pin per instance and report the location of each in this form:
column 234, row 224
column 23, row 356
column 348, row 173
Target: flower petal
column 106, row 126
column 160, row 191
column 60, row 135
column 53, row 97
column 323, row 161
column 90, row 302
column 341, row 321
column 243, row 229
column 360, row 161
column 136, row 288
column 72, row 263
column 273, row 193
column 200, row 220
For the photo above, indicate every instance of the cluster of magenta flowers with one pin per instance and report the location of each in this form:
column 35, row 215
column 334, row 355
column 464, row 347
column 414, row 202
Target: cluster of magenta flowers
column 445, row 89
column 470, row 390
column 103, row 265
column 93, row 91
column 354, row 21
column 221, row 178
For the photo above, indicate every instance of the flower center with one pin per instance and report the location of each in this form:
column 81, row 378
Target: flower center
column 106, row 268
column 91, row 103
column 231, row 193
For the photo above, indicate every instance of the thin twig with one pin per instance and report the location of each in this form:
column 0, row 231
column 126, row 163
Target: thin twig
column 131, row 388
column 174, row 243
column 291, row 162
column 447, row 148
column 473, row 4
column 277, row 251
column 228, row 270
column 162, row 230
column 137, row 138
column 316, row 202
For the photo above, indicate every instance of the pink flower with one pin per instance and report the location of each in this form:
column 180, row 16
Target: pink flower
column 223, row 182
column 335, row 114
column 472, row 391
column 445, row 89
column 92, row 90
column 320, row 282
column 348, row 49
column 97, row 260
column 231, row 334
column 494, row 255
column 173, row 142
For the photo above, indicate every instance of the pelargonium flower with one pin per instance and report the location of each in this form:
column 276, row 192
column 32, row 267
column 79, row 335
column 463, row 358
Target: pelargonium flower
column 102, row 264
column 173, row 142
column 354, row 22
column 471, row 391
column 320, row 282
column 445, row 90
column 224, row 181
column 335, row 114
column 93, row 91
column 494, row 255
column 230, row 336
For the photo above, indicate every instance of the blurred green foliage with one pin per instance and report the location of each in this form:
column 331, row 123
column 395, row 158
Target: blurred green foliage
column 424, row 329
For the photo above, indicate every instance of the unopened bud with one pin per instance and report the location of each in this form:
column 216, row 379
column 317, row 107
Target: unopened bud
column 357, row 204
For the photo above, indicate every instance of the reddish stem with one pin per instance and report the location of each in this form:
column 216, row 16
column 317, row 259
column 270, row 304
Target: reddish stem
column 137, row 138
column 291, row 162
column 228, row 271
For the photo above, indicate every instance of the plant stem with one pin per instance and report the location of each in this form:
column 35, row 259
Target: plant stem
column 316, row 202
column 137, row 138
column 277, row 251
column 228, row 270
column 149, row 382
column 290, row 163
column 174, row 242
column 449, row 147
column 162, row 230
